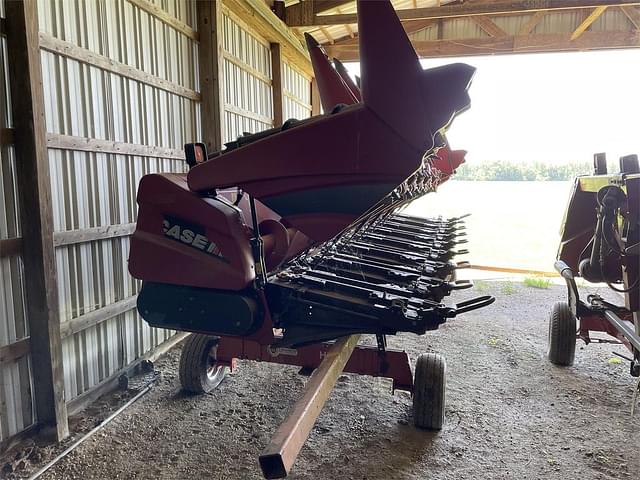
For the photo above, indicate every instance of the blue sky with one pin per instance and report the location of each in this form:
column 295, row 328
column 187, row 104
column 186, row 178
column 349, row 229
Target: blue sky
column 554, row 108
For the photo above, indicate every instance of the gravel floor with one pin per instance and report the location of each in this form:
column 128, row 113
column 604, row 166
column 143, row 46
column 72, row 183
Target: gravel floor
column 510, row 414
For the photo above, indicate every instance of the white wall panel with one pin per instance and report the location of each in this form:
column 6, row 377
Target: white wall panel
column 97, row 189
column 248, row 94
column 297, row 92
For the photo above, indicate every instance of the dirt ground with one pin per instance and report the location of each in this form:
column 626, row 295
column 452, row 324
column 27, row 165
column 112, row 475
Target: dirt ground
column 510, row 414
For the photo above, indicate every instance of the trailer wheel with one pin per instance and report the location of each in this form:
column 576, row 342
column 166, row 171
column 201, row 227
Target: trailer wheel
column 429, row 387
column 199, row 370
column 562, row 335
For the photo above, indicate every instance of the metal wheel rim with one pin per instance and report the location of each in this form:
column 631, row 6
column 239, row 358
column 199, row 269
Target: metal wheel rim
column 214, row 370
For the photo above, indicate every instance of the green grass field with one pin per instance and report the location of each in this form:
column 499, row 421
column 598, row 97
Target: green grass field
column 512, row 224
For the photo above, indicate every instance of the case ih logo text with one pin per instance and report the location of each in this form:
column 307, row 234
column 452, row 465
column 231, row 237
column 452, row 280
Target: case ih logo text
column 190, row 237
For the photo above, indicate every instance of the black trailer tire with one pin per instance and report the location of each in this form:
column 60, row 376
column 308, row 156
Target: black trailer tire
column 199, row 371
column 562, row 335
column 429, row 391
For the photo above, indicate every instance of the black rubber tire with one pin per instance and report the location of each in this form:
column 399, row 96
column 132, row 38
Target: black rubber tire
column 562, row 335
column 198, row 371
column 429, row 391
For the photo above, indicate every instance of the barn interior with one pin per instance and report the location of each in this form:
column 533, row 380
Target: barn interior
column 97, row 94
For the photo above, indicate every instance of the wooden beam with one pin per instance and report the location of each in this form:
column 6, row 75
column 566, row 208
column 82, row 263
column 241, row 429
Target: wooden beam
column 328, row 36
column 552, row 42
column 350, row 31
column 276, row 84
column 316, row 106
column 533, row 22
column 247, row 68
column 410, row 27
column 6, row 136
column 78, row 324
column 229, row 107
column 324, row 5
column 257, row 14
column 52, row 44
column 295, row 99
column 34, row 185
column 10, row 247
column 301, row 12
column 489, row 26
column 413, row 26
column 165, row 17
column 72, row 237
column 14, row 351
column 468, row 9
column 586, row 23
column 279, row 9
column 633, row 14
column 211, row 56
column 69, row 142
column 315, row 7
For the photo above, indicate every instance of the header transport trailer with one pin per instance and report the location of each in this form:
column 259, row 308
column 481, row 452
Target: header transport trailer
column 600, row 243
column 289, row 244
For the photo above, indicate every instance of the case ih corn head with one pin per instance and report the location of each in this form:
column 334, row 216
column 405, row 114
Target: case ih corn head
column 289, row 244
column 600, row 243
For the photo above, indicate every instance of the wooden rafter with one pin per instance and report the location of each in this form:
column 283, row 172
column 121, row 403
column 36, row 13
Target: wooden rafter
column 553, row 42
column 324, row 5
column 586, row 23
column 409, row 27
column 633, row 14
column 489, row 26
column 467, row 9
column 326, row 33
column 348, row 27
column 417, row 25
column 260, row 18
column 533, row 22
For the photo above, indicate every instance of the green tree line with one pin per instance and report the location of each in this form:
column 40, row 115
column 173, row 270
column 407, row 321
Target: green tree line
column 511, row 171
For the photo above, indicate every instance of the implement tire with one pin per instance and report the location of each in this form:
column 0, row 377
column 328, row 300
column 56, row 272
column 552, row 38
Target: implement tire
column 199, row 370
column 562, row 335
column 429, row 391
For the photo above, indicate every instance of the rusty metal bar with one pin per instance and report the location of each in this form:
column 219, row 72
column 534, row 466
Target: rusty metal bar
column 625, row 328
column 514, row 270
column 278, row 457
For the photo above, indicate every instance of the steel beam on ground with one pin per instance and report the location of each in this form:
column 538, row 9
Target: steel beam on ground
column 278, row 457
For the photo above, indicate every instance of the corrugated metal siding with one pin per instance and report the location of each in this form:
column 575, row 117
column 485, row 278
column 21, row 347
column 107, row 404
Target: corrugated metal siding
column 462, row 28
column 16, row 407
column 297, row 92
column 426, row 34
column 92, row 189
column 511, row 24
column 613, row 19
column 248, row 93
